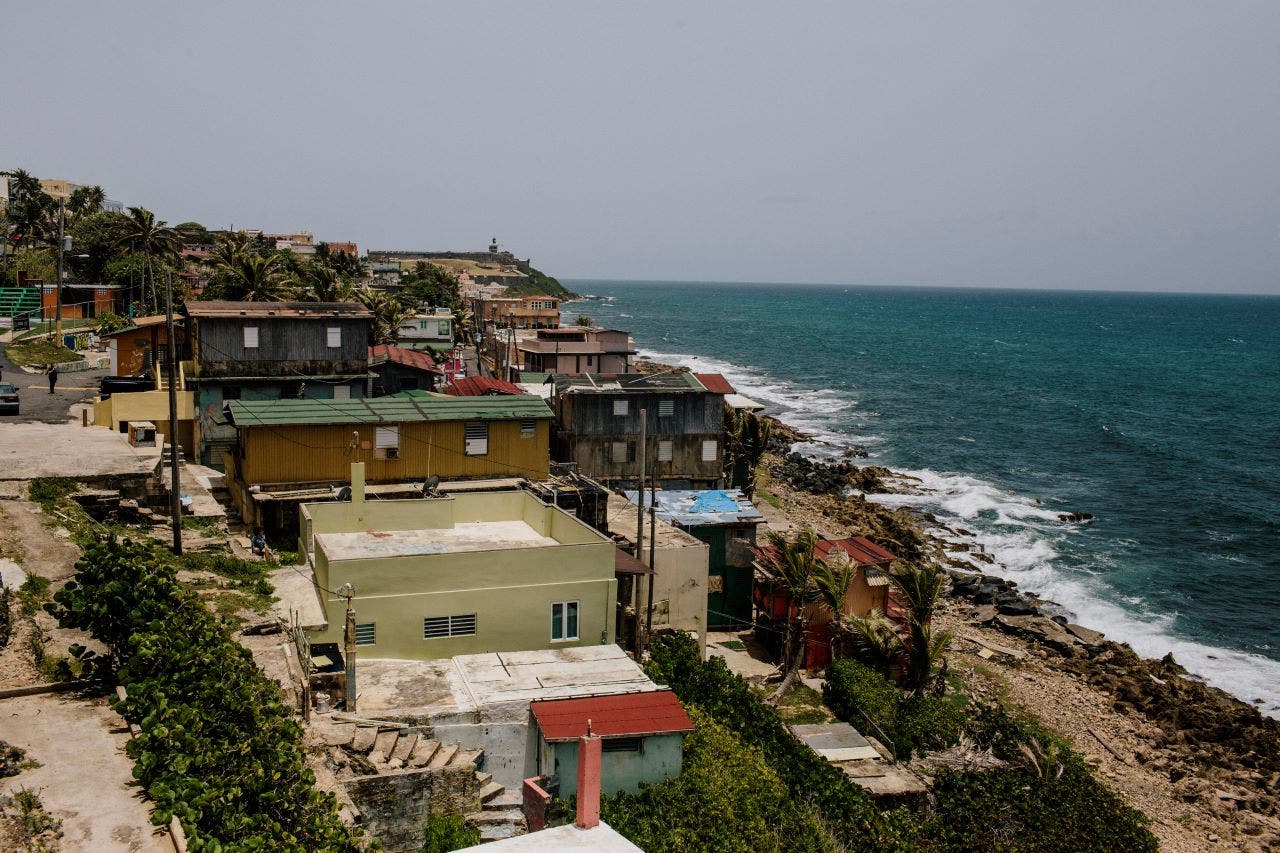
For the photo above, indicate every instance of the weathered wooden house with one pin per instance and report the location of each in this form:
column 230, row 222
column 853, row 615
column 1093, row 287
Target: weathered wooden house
column 271, row 351
column 399, row 369
column 286, row 448
column 598, row 428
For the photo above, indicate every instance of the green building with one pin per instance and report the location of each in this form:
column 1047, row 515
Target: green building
column 464, row 574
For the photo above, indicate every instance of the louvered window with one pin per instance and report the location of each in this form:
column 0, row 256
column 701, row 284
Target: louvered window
column 333, row 337
column 666, row 408
column 437, row 627
column 477, row 438
column 622, row 451
column 366, row 633
column 710, row 450
column 665, row 451
column 620, row 407
column 528, row 429
column 250, row 337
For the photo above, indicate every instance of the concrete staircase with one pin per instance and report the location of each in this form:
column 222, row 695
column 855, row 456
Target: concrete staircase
column 358, row 750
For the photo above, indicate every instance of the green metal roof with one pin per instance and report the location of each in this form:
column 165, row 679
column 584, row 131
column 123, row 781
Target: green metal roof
column 386, row 410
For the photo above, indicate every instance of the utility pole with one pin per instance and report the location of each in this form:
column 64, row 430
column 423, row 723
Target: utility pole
column 640, row 642
column 62, row 222
column 653, row 539
column 349, row 647
column 175, row 495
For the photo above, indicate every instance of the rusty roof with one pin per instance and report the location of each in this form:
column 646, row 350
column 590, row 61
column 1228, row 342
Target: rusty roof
column 860, row 549
column 625, row 564
column 715, row 383
column 216, row 308
column 480, row 386
column 382, row 353
column 625, row 715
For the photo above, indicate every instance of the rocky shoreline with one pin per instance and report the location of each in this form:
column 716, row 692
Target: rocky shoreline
column 1215, row 758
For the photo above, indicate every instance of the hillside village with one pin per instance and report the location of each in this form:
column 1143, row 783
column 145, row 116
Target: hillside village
column 324, row 547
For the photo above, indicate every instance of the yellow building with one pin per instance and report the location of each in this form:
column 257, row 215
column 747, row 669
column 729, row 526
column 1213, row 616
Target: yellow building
column 464, row 574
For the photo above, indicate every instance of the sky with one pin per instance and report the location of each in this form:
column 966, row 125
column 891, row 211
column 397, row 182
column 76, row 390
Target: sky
column 1096, row 145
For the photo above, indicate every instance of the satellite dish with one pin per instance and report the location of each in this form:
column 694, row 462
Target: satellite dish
column 344, row 494
column 430, row 486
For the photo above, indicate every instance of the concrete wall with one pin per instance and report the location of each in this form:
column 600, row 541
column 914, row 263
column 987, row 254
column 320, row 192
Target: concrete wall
column 660, row 757
column 147, row 406
column 395, row 805
column 510, row 591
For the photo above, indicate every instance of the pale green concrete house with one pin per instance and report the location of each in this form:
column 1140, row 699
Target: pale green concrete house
column 464, row 574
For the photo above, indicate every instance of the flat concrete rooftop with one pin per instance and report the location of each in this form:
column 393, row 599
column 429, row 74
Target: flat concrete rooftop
column 476, row 682
column 601, row 838
column 464, row 536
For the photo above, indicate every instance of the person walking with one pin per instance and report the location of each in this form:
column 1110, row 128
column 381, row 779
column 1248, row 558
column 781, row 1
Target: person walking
column 53, row 376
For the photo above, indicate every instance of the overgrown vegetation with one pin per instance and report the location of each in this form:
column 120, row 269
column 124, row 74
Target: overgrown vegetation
column 33, row 593
column 218, row 748
column 445, row 833
column 33, row 821
column 40, row 352
column 724, row 777
column 912, row 724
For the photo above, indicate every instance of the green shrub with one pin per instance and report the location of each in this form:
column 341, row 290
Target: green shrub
column 33, row 593
column 445, row 833
column 913, row 724
column 811, row 781
column 218, row 749
column 49, row 490
column 722, row 776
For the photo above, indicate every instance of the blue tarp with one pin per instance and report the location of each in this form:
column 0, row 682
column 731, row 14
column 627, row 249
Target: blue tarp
column 715, row 500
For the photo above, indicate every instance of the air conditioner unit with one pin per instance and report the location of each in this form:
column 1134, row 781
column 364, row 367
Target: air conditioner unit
column 387, row 453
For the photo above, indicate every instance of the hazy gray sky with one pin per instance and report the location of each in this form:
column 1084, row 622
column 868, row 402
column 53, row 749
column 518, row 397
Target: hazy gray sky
column 1097, row 145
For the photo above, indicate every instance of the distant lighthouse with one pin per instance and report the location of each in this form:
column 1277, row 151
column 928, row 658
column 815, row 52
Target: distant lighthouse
column 493, row 246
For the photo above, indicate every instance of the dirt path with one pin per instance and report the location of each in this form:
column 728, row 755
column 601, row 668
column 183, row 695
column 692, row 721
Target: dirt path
column 84, row 777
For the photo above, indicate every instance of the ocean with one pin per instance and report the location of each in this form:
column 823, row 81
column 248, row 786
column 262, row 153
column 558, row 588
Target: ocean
column 1159, row 414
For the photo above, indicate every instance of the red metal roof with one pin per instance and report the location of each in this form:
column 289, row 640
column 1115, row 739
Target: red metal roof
column 625, row 715
column 480, row 386
column 625, row 564
column 399, row 355
column 715, row 383
column 859, row 548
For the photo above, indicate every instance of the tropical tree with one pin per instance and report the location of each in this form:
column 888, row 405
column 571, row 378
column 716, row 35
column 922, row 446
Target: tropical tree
column 746, row 440
column 429, row 284
column 252, row 277
column 879, row 642
column 388, row 314
column 85, row 201
column 319, row 282
column 29, row 211
column 810, row 584
column 154, row 240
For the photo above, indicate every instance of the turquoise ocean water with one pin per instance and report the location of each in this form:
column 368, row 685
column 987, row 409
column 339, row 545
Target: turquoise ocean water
column 1159, row 414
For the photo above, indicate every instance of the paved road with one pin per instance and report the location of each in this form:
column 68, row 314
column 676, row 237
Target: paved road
column 36, row 403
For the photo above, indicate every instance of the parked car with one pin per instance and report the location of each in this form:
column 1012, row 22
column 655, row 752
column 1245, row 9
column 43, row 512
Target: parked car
column 8, row 399
column 123, row 384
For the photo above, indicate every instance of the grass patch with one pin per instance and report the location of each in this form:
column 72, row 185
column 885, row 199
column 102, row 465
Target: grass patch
column 733, row 645
column 33, row 593
column 203, row 524
column 769, row 498
column 803, row 706
column 37, row 353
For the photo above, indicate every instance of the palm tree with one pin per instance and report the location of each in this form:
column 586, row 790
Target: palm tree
column 921, row 585
column 747, row 438
column 875, row 640
column 254, row 278
column 795, row 566
column 388, row 314
column 319, row 282
column 85, row 201
column 153, row 239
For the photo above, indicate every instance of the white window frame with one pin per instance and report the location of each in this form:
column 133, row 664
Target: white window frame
column 250, row 337
column 710, row 450
column 333, row 337
column 621, row 408
column 385, row 437
column 666, row 450
column 444, row 627
column 561, row 621
column 366, row 633
column 443, row 328
column 473, row 443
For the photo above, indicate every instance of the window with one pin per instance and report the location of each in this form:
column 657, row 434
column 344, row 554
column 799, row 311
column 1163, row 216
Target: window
column 443, row 328
column 710, row 450
column 665, row 451
column 438, row 627
column 386, row 436
column 366, row 633
column 333, row 336
column 250, row 337
column 342, row 392
column 622, row 744
column 564, row 620
column 231, row 392
column 528, row 429
column 666, row 408
column 477, row 438
column 621, row 451
column 620, row 407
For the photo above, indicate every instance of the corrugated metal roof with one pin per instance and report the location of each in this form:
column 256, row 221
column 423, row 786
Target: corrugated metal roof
column 141, row 323
column 386, row 410
column 715, row 383
column 625, row 564
column 611, row 383
column 480, row 386
column 311, row 310
column 859, row 548
column 382, row 353
column 694, row 509
column 625, row 715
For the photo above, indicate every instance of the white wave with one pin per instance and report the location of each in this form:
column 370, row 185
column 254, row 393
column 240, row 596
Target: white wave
column 1020, row 535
